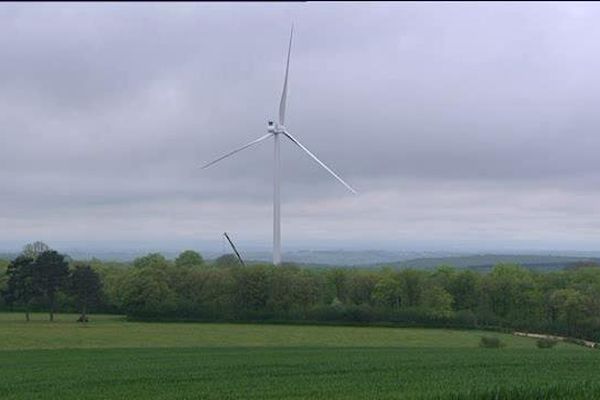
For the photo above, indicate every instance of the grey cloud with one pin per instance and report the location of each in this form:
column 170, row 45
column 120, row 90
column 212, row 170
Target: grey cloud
column 108, row 109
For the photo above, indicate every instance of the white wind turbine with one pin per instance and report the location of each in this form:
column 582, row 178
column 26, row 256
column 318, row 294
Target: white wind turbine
column 275, row 130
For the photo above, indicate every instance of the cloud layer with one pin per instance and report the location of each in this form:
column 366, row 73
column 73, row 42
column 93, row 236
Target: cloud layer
column 460, row 124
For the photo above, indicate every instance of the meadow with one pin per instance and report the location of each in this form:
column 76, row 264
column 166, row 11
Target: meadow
column 110, row 358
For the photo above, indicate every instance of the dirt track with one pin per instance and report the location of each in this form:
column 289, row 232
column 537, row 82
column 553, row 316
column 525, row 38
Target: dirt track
column 585, row 343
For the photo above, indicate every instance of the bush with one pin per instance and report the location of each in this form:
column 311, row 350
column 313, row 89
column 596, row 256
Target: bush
column 546, row 343
column 491, row 342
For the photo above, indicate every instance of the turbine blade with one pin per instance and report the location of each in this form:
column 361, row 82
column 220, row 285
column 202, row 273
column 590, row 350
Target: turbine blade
column 293, row 139
column 285, row 83
column 260, row 139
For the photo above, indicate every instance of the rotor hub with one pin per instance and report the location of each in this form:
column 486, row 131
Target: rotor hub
column 275, row 128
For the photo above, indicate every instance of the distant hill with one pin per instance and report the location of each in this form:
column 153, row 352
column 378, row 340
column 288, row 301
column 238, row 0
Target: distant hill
column 484, row 262
column 351, row 258
column 370, row 258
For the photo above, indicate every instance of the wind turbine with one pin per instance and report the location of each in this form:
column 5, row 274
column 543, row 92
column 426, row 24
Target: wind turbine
column 275, row 131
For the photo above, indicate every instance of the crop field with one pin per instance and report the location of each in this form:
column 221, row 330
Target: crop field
column 113, row 359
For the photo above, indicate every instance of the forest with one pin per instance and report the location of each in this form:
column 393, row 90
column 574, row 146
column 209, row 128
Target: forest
column 509, row 297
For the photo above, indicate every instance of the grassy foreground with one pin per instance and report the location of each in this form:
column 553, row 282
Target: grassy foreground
column 115, row 332
column 114, row 359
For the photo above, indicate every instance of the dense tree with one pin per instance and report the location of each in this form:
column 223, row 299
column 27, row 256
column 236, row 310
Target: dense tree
column 570, row 307
column 3, row 281
column 564, row 302
column 20, row 287
column 294, row 290
column 189, row 258
column 113, row 279
column 202, row 293
column 217, row 292
column 438, row 301
column 146, row 292
column 465, row 288
column 86, row 287
column 412, row 286
column 33, row 250
column 284, row 282
column 151, row 260
column 309, row 290
column 444, row 276
column 49, row 276
column 388, row 291
column 515, row 292
column 227, row 261
column 252, row 287
column 360, row 287
column 338, row 279
column 508, row 296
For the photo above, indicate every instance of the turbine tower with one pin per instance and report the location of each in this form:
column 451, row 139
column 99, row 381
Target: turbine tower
column 277, row 130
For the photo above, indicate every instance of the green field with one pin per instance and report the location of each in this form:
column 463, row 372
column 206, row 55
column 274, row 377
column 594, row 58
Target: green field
column 114, row 359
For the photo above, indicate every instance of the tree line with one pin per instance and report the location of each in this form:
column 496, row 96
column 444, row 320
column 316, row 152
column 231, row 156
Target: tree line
column 39, row 275
column 189, row 288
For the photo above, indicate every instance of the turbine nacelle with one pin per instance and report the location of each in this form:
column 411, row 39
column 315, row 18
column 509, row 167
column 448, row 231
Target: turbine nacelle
column 275, row 128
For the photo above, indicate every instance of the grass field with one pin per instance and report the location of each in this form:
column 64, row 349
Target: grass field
column 114, row 359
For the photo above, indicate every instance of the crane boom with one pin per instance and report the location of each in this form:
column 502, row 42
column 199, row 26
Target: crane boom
column 234, row 249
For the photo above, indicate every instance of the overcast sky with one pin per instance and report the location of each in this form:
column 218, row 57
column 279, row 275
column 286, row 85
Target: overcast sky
column 461, row 125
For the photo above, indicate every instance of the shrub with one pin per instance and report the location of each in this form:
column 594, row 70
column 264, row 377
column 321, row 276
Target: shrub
column 546, row 343
column 491, row 342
